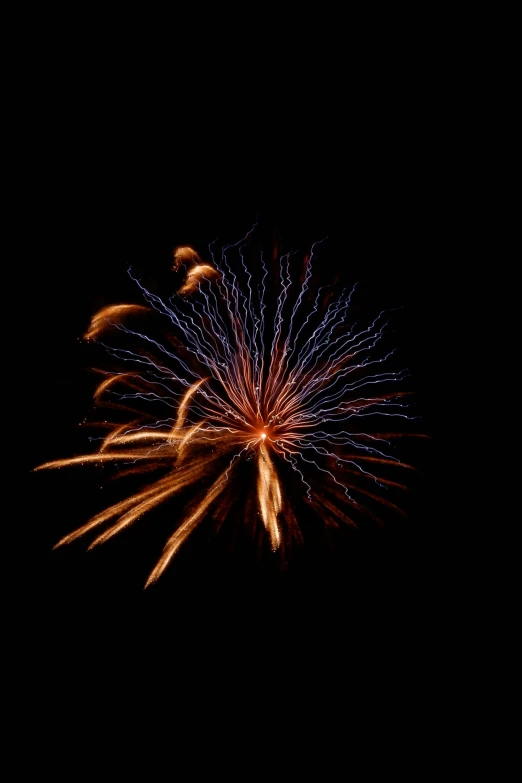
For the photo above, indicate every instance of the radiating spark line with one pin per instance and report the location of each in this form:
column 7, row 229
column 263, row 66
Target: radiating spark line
column 243, row 380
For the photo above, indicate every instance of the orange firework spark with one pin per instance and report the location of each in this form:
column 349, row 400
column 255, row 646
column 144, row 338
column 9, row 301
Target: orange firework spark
column 286, row 385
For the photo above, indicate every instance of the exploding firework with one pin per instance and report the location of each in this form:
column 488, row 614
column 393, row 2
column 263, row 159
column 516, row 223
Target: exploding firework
column 250, row 384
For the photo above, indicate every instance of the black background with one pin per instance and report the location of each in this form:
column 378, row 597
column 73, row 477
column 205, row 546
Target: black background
column 117, row 191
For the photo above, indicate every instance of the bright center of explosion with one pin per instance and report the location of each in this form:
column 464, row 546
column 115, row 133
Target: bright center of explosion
column 267, row 435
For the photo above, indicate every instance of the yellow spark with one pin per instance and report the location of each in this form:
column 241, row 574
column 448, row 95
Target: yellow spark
column 185, row 255
column 195, row 275
column 181, row 534
column 111, row 315
column 269, row 495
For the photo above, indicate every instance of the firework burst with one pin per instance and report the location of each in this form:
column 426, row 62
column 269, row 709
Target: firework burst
column 251, row 375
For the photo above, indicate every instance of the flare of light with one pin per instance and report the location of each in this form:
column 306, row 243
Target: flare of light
column 240, row 385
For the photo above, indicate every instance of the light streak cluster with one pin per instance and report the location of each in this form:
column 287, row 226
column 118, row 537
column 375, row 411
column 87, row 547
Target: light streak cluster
column 231, row 384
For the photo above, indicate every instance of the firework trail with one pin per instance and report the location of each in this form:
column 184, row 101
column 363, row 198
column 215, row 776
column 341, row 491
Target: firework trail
column 251, row 371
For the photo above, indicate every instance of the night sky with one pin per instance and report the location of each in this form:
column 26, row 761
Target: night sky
column 369, row 598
